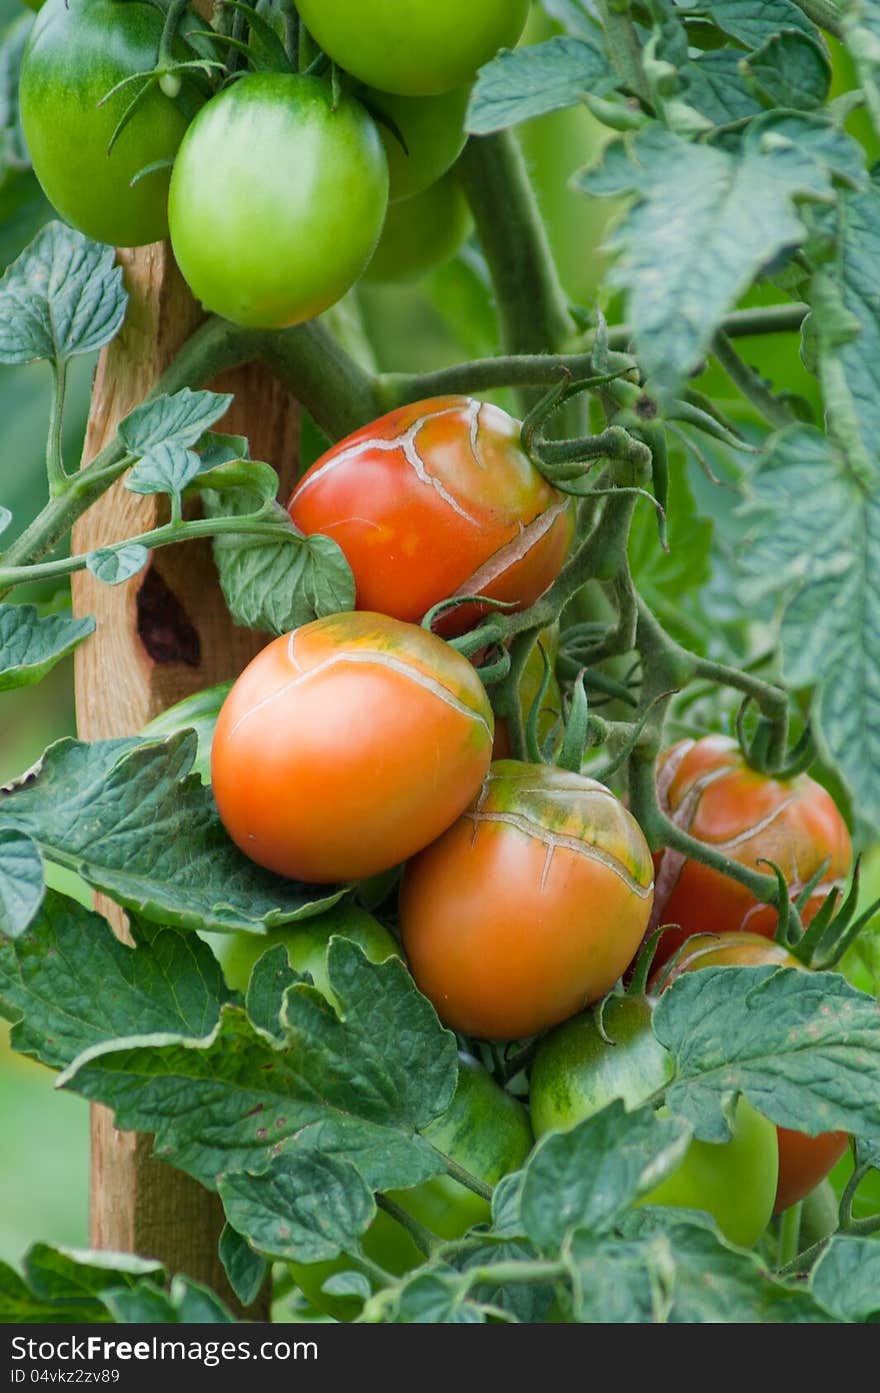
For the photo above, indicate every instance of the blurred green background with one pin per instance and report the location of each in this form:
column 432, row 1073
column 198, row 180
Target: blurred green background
column 44, row 1139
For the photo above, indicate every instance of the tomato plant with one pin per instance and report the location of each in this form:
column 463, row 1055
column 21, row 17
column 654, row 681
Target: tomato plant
column 581, row 1066
column 531, row 905
column 78, row 53
column 436, row 500
column 323, row 747
column 308, row 167
column 415, row 49
column 709, row 790
column 421, row 233
column 804, row 1161
column 609, row 539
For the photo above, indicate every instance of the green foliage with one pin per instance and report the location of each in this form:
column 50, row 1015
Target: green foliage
column 31, row 644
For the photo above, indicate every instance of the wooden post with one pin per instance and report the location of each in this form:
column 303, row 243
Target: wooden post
column 161, row 636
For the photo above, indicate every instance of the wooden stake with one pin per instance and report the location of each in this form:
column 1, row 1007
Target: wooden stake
column 161, row 636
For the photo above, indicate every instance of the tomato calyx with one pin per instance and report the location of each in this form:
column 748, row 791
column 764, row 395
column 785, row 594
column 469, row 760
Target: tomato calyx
column 832, row 930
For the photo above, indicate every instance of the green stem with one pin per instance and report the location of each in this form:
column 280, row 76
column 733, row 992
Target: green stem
column 612, row 443
column 623, row 47
column 465, row 1178
column 805, row 1260
column 422, row 1237
column 337, row 392
column 774, row 411
column 59, row 479
column 532, row 306
column 168, row 535
column 849, row 1194
column 824, row 13
column 516, row 1273
column 175, row 13
column 789, row 1235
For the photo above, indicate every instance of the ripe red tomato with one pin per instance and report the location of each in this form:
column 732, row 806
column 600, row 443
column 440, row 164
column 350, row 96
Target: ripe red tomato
column 530, row 906
column 434, row 500
column 803, row 1161
column 707, row 789
column 347, row 746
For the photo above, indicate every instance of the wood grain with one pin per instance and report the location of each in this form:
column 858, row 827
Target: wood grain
column 162, row 635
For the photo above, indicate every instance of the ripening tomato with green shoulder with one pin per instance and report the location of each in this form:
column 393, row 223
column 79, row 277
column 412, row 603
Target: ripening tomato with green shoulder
column 347, row 746
column 306, row 943
column 576, row 1073
column 277, row 199
column 530, row 906
column 487, row 1131
column 421, row 233
column 423, row 136
column 437, row 500
column 78, row 51
column 708, row 790
column 414, row 47
column 804, row 1161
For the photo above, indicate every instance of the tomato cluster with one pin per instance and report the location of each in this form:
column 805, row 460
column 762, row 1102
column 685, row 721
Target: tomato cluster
column 281, row 189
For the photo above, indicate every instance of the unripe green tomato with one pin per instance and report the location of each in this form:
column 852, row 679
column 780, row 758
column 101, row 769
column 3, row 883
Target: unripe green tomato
column 34, row 4
column 485, row 1130
column 77, row 52
column 198, row 713
column 277, row 199
column 416, row 47
column 432, row 131
column 421, row 233
column 306, row 945
column 576, row 1073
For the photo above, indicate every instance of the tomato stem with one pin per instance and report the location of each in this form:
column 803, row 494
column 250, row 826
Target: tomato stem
column 624, row 48
column 777, row 413
column 789, row 1235
column 465, row 1178
column 421, row 1236
column 59, row 479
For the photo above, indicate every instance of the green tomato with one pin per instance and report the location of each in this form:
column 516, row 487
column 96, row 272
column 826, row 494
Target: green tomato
column 277, row 199
column 415, row 47
column 199, row 713
column 77, row 52
column 421, row 233
column 576, row 1073
column 485, row 1130
column 306, row 945
column 431, row 137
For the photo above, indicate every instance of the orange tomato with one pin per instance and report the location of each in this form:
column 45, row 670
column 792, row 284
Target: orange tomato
column 530, row 906
column 347, row 746
column 435, row 500
column 803, row 1161
column 706, row 788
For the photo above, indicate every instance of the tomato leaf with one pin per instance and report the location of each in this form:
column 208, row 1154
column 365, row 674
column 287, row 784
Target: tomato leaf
column 436, row 1297
column 307, row 1207
column 165, row 468
column 114, row 565
column 22, row 882
column 525, row 1302
column 62, row 296
column 692, row 243
column 846, row 1279
column 278, row 583
column 361, row 1085
column 579, row 17
column 129, row 817
column 30, row 646
column 620, row 1282
column 587, row 1177
column 803, row 1047
column 245, row 1269
column 13, row 151
column 62, row 1285
column 187, row 1303
column 69, row 983
column 527, row 82
column 180, row 419
column 270, row 978
column 751, row 21
column 713, row 84
column 791, row 69
column 700, row 1278
column 861, row 29
column 815, row 544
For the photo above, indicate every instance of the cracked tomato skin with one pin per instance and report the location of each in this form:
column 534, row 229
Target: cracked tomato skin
column 347, row 746
column 530, row 906
column 707, row 788
column 433, row 500
column 414, row 47
column 803, row 1161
